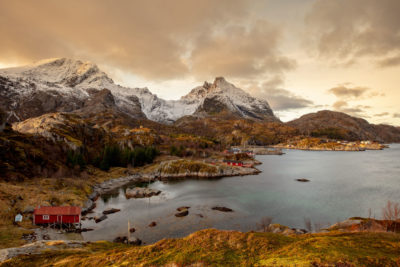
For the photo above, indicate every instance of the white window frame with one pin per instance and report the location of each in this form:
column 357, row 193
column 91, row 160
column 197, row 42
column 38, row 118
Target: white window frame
column 46, row 217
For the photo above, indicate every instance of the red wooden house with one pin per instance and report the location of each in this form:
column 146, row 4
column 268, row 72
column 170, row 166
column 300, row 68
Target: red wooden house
column 57, row 215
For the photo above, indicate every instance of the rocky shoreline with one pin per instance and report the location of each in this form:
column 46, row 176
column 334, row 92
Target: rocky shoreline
column 166, row 171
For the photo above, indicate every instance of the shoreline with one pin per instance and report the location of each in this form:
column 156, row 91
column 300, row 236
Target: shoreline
column 113, row 184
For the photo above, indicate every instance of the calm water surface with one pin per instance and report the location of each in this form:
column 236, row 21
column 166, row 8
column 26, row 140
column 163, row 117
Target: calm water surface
column 342, row 185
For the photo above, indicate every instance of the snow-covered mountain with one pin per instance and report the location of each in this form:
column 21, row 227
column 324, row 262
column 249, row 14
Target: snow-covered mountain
column 66, row 85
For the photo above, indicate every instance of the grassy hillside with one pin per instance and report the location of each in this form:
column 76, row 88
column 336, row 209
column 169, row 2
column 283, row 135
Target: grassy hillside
column 231, row 248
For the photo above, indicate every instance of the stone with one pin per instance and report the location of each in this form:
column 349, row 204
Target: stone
column 132, row 230
column 303, row 180
column 182, row 213
column 135, row 241
column 223, row 209
column 152, row 224
column 110, row 211
column 99, row 219
column 182, row 208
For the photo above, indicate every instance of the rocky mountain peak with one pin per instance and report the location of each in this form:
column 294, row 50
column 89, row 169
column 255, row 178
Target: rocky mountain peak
column 64, row 71
column 220, row 81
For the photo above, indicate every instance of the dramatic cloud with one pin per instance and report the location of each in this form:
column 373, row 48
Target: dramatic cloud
column 279, row 99
column 347, row 30
column 343, row 91
column 241, row 51
column 383, row 114
column 343, row 106
column 154, row 39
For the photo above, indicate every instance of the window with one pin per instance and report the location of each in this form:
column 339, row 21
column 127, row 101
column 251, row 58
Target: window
column 46, row 217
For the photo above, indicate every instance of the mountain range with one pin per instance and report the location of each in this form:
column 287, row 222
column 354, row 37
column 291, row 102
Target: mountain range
column 67, row 85
column 74, row 86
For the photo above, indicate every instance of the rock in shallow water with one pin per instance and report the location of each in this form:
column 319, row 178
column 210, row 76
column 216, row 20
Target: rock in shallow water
column 99, row 219
column 303, row 180
column 182, row 213
column 132, row 241
column 141, row 192
column 223, row 209
column 110, row 211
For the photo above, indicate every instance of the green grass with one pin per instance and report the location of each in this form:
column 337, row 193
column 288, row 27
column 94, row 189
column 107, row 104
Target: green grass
column 230, row 248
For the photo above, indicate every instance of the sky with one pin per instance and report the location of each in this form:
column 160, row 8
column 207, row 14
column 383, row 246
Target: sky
column 300, row 55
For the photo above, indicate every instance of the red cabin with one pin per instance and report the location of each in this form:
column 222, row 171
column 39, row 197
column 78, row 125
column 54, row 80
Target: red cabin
column 57, row 215
column 233, row 163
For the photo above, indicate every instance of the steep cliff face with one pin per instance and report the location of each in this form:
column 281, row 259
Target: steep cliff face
column 344, row 126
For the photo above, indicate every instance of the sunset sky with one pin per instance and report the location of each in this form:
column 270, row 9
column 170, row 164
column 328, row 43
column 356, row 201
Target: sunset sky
column 299, row 55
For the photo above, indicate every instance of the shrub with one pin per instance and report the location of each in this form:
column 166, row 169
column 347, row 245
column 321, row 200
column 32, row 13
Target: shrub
column 75, row 158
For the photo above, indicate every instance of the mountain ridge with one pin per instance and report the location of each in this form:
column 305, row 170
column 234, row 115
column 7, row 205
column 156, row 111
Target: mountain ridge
column 64, row 85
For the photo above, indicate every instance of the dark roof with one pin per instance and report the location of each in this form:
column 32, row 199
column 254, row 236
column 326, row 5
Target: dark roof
column 66, row 210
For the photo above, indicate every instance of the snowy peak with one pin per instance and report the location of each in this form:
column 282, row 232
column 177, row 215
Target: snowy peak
column 222, row 96
column 63, row 71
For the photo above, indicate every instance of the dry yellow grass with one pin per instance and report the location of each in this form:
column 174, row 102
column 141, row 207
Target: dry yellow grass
column 230, row 248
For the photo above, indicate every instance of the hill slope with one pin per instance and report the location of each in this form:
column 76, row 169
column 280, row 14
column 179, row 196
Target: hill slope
column 342, row 126
column 231, row 248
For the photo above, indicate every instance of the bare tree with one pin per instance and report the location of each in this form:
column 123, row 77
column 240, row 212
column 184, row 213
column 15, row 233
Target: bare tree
column 391, row 215
column 264, row 223
column 307, row 224
column 318, row 227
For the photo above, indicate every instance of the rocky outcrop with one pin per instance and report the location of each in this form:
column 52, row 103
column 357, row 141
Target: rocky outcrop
column 141, row 192
column 189, row 168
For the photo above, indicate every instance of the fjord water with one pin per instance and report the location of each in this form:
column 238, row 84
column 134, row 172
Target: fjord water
column 342, row 185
